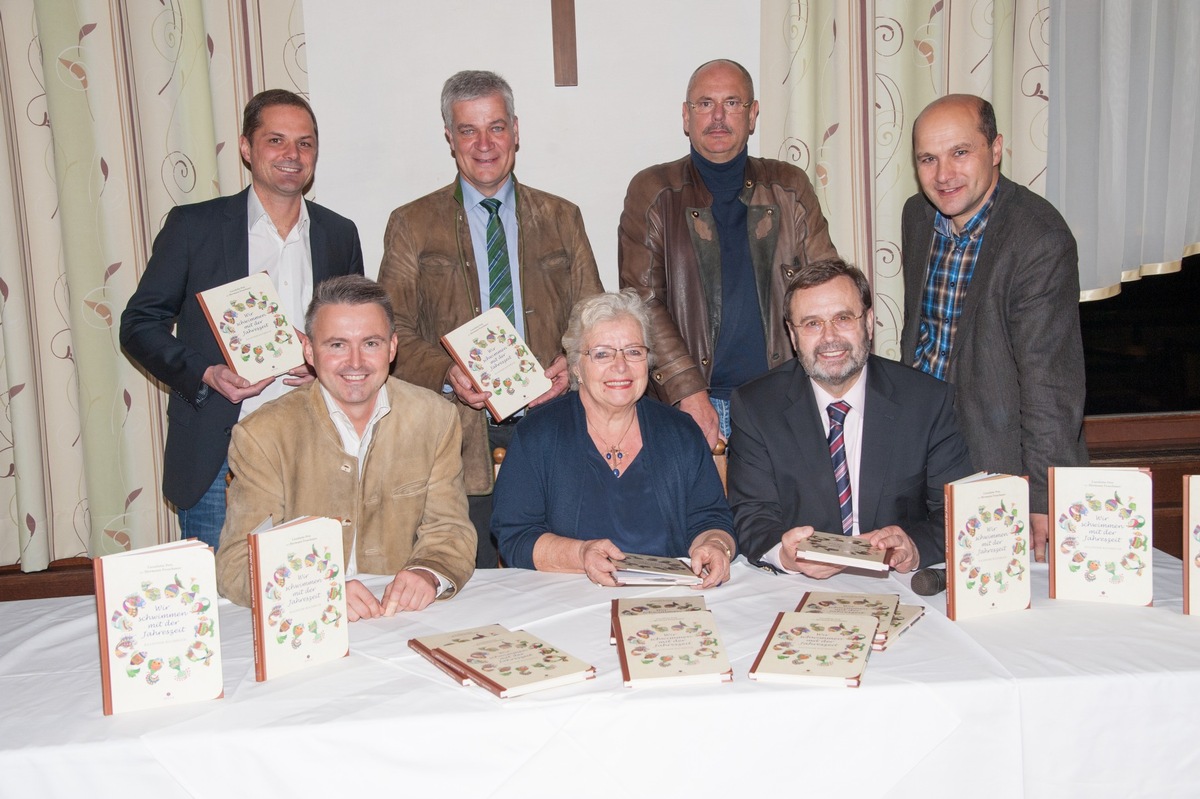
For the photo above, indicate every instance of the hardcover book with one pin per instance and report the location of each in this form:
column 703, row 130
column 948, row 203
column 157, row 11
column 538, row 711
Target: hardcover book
column 987, row 545
column 1101, row 541
column 671, row 649
column 653, row 570
column 495, row 358
column 1191, row 543
column 514, row 663
column 426, row 647
column 843, row 550
column 817, row 649
column 643, row 605
column 255, row 331
column 881, row 606
column 298, row 595
column 156, row 611
column 904, row 618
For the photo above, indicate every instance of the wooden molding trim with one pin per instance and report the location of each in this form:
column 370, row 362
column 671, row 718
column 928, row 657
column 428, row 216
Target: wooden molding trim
column 69, row 577
column 1139, row 432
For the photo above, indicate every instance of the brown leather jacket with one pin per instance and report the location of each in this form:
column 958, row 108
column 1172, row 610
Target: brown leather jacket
column 429, row 270
column 668, row 251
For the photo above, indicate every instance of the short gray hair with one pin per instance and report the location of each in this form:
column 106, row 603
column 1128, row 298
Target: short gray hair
column 471, row 84
column 349, row 290
column 604, row 308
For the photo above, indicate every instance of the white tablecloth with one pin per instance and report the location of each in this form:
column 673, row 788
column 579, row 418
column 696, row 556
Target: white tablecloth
column 1067, row 699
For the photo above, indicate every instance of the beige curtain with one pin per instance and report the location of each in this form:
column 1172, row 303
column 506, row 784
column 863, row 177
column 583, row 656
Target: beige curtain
column 843, row 81
column 1127, row 79
column 112, row 114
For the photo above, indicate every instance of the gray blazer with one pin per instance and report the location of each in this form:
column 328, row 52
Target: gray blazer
column 781, row 476
column 1017, row 357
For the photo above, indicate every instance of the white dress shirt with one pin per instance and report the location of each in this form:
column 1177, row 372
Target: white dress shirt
column 852, row 429
column 357, row 446
column 288, row 262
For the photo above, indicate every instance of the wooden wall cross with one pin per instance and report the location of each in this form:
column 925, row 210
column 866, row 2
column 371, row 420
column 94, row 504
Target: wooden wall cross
column 566, row 63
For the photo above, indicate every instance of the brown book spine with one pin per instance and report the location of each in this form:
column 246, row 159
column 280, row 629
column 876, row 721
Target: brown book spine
column 767, row 643
column 1187, row 543
column 256, row 610
column 477, row 677
column 444, row 666
column 951, row 555
column 1051, row 534
column 622, row 655
column 614, row 625
column 102, row 624
column 803, row 599
column 471, row 376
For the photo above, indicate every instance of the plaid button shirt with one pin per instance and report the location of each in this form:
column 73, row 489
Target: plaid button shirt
column 951, row 264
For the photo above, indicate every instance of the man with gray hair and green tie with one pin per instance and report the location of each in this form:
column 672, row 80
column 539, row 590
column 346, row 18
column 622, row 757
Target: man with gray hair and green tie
column 483, row 241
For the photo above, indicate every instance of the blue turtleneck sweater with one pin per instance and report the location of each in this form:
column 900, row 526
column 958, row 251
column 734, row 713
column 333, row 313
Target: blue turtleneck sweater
column 740, row 351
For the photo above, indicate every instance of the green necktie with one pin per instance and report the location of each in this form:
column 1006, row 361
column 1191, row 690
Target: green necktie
column 500, row 289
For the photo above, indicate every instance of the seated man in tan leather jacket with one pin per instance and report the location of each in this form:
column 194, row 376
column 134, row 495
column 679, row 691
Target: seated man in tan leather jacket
column 379, row 454
column 483, row 241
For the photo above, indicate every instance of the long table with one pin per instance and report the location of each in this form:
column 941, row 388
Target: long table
column 1066, row 699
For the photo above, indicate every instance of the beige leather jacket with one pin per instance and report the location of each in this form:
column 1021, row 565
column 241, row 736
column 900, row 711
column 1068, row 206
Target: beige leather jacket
column 409, row 508
column 429, row 270
column 668, row 251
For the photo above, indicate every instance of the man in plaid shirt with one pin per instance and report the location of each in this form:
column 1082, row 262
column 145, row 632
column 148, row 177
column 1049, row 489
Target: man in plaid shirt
column 992, row 301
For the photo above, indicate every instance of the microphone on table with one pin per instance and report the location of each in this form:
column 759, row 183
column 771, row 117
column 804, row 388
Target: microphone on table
column 929, row 582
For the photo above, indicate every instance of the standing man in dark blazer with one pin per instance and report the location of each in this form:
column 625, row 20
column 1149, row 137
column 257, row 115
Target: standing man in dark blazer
column 991, row 300
column 839, row 440
column 269, row 228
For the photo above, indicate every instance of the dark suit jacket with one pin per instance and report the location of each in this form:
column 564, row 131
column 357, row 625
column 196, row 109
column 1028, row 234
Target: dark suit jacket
column 781, row 475
column 202, row 246
column 1017, row 356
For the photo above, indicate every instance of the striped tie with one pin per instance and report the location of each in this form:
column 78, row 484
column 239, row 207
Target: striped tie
column 837, row 451
column 500, row 290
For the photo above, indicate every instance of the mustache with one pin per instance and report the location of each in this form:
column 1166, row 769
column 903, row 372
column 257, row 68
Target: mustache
column 717, row 126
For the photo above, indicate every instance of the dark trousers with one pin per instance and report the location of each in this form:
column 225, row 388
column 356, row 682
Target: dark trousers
column 480, row 507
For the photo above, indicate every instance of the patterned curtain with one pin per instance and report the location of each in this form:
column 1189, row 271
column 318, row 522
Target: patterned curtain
column 112, row 114
column 842, row 83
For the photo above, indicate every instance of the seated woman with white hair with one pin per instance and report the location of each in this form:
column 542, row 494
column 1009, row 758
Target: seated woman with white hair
column 604, row 470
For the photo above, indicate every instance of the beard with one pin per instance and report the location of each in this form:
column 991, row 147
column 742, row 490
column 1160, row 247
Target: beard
column 836, row 374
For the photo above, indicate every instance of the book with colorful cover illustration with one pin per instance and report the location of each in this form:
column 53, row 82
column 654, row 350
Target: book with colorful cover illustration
column 653, row 570
column 1191, row 543
column 494, row 356
column 816, row 649
column 881, row 606
column 642, row 605
column 1101, row 539
column 987, row 545
column 843, row 550
column 903, row 619
column 671, row 649
column 160, row 641
column 426, row 647
column 255, row 331
column 298, row 595
column 515, row 663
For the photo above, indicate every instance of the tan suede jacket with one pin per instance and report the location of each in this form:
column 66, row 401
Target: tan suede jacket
column 668, row 250
column 409, row 508
column 429, row 269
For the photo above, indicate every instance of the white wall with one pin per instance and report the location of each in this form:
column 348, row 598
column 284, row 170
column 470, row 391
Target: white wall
column 376, row 69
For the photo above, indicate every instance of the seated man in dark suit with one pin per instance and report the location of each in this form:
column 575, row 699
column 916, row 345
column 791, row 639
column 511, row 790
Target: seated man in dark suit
column 840, row 440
